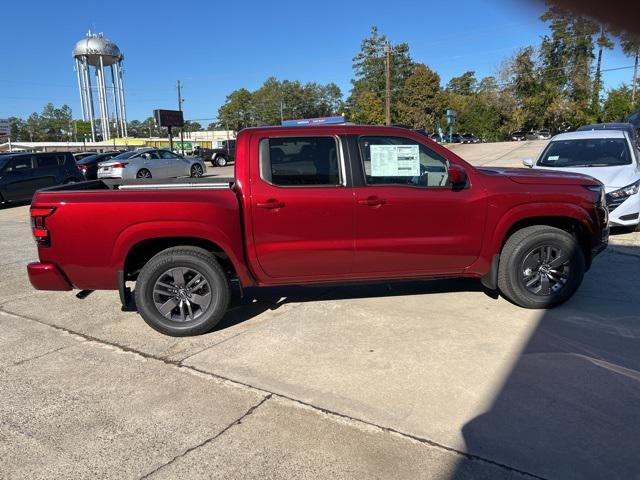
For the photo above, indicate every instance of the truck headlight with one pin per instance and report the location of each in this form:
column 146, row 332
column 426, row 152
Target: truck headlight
column 626, row 191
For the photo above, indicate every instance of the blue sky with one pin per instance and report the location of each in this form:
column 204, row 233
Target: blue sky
column 216, row 47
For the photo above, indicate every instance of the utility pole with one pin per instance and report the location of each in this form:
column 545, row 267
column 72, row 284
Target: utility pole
column 635, row 78
column 387, row 79
column 181, row 128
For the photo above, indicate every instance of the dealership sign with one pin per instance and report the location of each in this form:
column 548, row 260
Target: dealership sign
column 5, row 127
column 169, row 118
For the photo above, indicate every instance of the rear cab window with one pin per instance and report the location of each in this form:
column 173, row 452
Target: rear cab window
column 390, row 160
column 301, row 161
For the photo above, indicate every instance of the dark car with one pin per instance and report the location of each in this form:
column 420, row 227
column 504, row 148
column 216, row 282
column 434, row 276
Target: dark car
column 625, row 127
column 469, row 138
column 89, row 165
column 219, row 157
column 634, row 119
column 21, row 174
column 518, row 136
column 81, row 155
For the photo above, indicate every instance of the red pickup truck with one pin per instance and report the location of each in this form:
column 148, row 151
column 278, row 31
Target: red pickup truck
column 314, row 205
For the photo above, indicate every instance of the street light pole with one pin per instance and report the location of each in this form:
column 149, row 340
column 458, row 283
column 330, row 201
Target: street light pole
column 181, row 128
column 387, row 80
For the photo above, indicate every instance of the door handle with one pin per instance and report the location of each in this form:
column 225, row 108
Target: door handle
column 372, row 201
column 271, row 203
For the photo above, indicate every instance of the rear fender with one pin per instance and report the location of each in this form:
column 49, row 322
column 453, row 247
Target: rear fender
column 137, row 233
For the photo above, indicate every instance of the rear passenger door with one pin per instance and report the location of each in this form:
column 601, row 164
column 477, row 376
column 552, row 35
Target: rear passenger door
column 18, row 179
column 48, row 170
column 301, row 207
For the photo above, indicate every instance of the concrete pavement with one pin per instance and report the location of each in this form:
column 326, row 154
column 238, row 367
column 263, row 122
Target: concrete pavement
column 398, row 380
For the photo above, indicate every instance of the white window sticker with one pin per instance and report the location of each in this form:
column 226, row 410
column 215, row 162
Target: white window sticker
column 395, row 160
column 553, row 158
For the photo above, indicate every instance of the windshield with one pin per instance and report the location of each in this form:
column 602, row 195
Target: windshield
column 588, row 152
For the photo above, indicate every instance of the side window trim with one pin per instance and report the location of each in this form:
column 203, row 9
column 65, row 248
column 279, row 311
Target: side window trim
column 264, row 162
column 362, row 157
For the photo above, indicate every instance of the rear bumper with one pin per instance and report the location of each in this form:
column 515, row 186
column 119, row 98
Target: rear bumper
column 46, row 276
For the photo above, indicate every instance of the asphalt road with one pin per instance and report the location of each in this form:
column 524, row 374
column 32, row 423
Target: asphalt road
column 398, row 380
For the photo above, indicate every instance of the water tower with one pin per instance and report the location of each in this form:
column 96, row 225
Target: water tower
column 102, row 54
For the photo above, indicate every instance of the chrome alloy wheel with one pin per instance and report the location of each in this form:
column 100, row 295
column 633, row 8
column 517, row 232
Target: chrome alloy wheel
column 182, row 294
column 196, row 170
column 545, row 270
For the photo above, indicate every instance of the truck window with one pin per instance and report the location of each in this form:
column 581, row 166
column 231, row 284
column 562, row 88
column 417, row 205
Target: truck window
column 402, row 161
column 299, row 161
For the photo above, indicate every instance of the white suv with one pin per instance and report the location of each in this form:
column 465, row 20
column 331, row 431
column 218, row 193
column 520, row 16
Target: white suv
column 607, row 155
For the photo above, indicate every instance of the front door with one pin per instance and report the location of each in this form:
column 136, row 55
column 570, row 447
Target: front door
column 176, row 166
column 301, row 208
column 408, row 217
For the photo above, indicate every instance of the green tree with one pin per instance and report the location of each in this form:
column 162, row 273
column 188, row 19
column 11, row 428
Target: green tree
column 422, row 103
column 631, row 47
column 237, row 112
column 465, row 84
column 618, row 104
column 368, row 85
column 19, row 130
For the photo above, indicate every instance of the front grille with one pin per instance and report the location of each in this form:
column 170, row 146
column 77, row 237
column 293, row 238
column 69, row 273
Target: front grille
column 613, row 203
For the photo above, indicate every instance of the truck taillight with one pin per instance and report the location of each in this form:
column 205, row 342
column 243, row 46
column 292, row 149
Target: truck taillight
column 38, row 224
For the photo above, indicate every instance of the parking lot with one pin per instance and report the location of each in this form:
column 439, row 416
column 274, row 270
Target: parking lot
column 396, row 380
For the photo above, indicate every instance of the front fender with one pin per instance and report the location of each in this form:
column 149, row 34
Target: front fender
column 528, row 211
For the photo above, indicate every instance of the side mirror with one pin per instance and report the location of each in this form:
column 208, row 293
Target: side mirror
column 457, row 176
column 528, row 162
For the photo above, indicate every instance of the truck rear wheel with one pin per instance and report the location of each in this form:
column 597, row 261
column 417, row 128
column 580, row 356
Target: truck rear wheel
column 182, row 291
column 540, row 267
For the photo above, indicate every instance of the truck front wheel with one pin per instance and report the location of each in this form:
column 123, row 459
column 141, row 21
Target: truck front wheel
column 540, row 267
column 182, row 291
column 221, row 161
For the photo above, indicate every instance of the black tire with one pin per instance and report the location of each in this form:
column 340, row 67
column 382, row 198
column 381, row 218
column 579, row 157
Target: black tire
column 186, row 259
column 221, row 161
column 143, row 173
column 522, row 271
column 196, row 170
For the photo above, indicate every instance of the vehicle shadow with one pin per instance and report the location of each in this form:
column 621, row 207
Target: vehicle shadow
column 570, row 407
column 254, row 301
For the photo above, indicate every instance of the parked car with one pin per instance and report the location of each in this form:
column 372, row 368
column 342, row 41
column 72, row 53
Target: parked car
column 151, row 163
column 219, row 157
column 625, row 127
column 469, row 138
column 607, row 155
column 544, row 134
column 634, row 119
column 89, row 165
column 81, row 155
column 21, row 174
column 518, row 136
column 317, row 205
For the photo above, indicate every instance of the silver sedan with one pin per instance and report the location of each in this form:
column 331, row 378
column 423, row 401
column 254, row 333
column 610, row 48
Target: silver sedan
column 151, row 163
